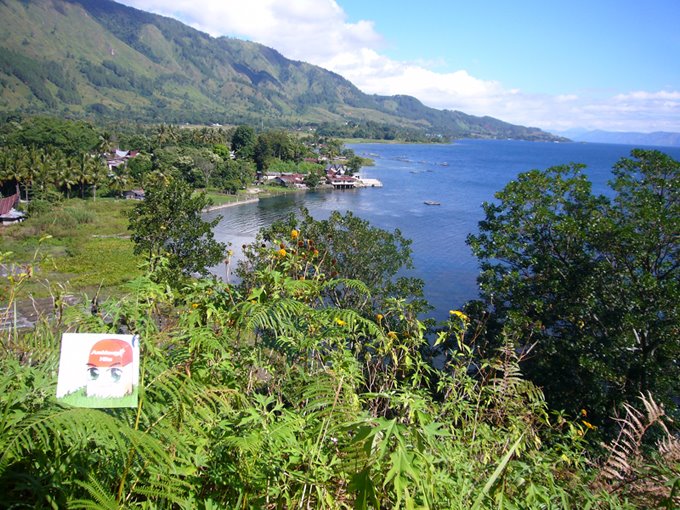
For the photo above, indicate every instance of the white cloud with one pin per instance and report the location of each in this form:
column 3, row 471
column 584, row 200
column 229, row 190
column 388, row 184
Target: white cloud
column 309, row 30
column 318, row 32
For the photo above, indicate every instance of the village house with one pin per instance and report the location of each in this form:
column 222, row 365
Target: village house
column 119, row 157
column 8, row 213
column 291, row 180
column 341, row 181
column 134, row 194
column 336, row 177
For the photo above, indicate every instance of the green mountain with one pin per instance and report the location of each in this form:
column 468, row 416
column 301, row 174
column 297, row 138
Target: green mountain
column 102, row 59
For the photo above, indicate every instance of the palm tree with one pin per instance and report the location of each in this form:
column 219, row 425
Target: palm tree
column 82, row 172
column 46, row 171
column 11, row 168
column 19, row 168
column 33, row 163
column 106, row 143
column 167, row 134
column 69, row 175
column 99, row 172
column 119, row 179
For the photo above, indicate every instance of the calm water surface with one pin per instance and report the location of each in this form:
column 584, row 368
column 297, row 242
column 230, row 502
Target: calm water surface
column 461, row 176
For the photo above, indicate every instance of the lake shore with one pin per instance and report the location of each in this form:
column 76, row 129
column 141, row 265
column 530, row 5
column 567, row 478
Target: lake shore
column 231, row 204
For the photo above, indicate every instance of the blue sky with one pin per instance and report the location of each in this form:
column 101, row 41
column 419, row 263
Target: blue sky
column 596, row 64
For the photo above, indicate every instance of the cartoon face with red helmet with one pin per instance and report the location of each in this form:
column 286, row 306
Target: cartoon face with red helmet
column 109, row 369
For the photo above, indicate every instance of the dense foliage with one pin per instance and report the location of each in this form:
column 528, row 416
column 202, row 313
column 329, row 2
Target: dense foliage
column 590, row 284
column 279, row 400
column 315, row 382
column 342, row 246
column 168, row 230
column 51, row 159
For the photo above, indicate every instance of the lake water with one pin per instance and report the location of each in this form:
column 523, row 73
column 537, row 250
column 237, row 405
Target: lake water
column 461, row 176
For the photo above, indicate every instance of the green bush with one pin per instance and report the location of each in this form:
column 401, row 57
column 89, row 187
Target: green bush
column 275, row 400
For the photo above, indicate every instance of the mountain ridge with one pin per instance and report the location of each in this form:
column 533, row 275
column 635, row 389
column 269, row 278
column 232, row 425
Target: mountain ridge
column 106, row 60
column 656, row 138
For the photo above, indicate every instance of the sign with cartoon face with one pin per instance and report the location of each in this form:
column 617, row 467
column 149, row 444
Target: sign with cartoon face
column 98, row 370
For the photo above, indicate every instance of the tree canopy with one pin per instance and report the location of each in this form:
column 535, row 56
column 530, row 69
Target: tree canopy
column 589, row 284
column 342, row 246
column 168, row 225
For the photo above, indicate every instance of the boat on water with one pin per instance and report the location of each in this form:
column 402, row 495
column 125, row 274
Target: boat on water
column 432, row 202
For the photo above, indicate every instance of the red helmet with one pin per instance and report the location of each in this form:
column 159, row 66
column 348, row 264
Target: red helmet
column 110, row 352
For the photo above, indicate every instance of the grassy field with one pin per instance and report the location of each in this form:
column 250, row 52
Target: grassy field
column 83, row 246
column 76, row 245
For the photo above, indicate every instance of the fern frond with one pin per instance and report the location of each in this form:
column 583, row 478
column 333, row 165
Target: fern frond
column 625, row 449
column 669, row 448
column 102, row 499
column 356, row 285
column 57, row 427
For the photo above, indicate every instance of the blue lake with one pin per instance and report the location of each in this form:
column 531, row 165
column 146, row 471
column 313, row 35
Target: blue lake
column 460, row 176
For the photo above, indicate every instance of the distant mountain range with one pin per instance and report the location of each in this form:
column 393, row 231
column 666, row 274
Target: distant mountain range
column 658, row 138
column 101, row 59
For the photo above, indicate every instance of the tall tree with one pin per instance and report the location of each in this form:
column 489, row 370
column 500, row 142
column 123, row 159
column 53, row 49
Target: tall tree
column 343, row 246
column 243, row 142
column 168, row 224
column 641, row 246
column 591, row 283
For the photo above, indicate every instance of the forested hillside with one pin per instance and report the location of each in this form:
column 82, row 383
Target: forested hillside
column 105, row 60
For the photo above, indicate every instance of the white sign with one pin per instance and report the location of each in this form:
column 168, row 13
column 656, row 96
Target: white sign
column 98, row 370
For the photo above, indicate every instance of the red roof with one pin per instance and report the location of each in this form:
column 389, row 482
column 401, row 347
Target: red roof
column 8, row 203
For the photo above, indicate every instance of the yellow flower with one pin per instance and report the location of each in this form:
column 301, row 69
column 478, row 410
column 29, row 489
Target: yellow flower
column 584, row 412
column 588, row 425
column 194, row 305
column 392, row 335
column 379, row 317
column 282, row 252
column 340, row 322
column 294, row 234
column 460, row 315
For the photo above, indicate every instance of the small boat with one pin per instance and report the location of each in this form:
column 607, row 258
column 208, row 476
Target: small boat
column 432, row 202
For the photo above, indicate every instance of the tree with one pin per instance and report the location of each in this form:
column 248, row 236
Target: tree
column 354, row 164
column 243, row 142
column 591, row 284
column 168, row 224
column 343, row 246
column 235, row 175
column 262, row 153
column 71, row 137
column 641, row 249
column 68, row 175
column 140, row 166
column 312, row 179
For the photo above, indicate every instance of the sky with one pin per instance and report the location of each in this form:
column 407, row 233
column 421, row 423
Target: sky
column 557, row 65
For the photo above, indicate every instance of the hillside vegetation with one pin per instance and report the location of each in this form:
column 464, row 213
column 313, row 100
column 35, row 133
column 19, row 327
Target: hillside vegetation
column 102, row 59
column 315, row 382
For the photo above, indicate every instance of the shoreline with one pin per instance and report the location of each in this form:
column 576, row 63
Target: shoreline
column 231, row 204
column 269, row 195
